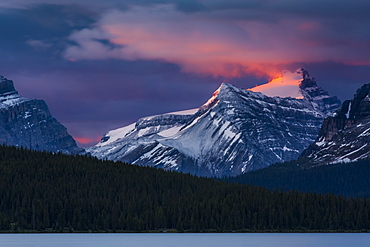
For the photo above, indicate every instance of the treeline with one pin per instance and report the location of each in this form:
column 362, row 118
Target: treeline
column 346, row 179
column 41, row 191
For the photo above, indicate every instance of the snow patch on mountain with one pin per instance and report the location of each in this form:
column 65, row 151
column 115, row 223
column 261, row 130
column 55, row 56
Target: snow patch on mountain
column 114, row 135
column 184, row 112
column 11, row 100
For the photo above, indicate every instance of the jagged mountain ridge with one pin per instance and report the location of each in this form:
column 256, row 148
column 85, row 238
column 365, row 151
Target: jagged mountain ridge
column 234, row 132
column 344, row 136
column 28, row 123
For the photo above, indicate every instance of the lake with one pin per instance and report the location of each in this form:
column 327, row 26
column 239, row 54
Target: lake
column 187, row 239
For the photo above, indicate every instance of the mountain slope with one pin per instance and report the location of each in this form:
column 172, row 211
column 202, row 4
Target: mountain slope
column 234, row 132
column 349, row 179
column 28, row 123
column 344, row 136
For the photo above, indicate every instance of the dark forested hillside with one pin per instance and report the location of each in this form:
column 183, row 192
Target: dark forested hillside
column 54, row 192
column 347, row 179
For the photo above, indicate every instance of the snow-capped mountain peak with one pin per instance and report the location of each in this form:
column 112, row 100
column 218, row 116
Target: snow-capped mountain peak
column 221, row 92
column 28, row 123
column 235, row 131
column 8, row 95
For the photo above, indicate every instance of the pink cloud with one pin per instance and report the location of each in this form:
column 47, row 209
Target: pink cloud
column 309, row 26
column 202, row 44
column 86, row 141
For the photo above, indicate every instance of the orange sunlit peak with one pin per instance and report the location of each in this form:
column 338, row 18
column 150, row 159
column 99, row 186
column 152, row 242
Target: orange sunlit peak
column 284, row 85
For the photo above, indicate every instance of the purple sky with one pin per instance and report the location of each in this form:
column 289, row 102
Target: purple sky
column 100, row 65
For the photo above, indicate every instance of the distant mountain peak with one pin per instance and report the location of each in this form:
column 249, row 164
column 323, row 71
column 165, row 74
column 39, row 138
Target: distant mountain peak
column 224, row 88
column 224, row 92
column 307, row 80
column 344, row 136
column 360, row 105
column 289, row 84
column 28, row 123
column 235, row 131
column 6, row 86
column 298, row 85
column 228, row 95
column 2, row 78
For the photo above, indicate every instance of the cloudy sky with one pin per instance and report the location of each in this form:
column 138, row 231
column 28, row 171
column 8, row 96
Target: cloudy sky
column 100, row 65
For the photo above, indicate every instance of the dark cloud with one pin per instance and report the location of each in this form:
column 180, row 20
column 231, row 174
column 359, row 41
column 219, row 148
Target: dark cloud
column 190, row 6
column 328, row 9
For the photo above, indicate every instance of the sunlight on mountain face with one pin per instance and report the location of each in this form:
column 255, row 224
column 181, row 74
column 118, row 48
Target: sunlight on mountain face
column 285, row 85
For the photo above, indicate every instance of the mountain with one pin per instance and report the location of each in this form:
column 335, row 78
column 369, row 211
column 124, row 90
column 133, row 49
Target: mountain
column 344, row 136
column 337, row 162
column 234, row 132
column 28, row 123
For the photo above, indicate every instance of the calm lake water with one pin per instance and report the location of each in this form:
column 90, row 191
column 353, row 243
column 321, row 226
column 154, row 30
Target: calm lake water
column 188, row 239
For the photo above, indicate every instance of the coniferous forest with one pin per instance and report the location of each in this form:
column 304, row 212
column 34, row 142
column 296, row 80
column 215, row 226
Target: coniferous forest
column 346, row 179
column 40, row 192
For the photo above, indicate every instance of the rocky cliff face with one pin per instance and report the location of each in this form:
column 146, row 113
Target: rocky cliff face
column 319, row 99
column 234, row 132
column 344, row 136
column 28, row 123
